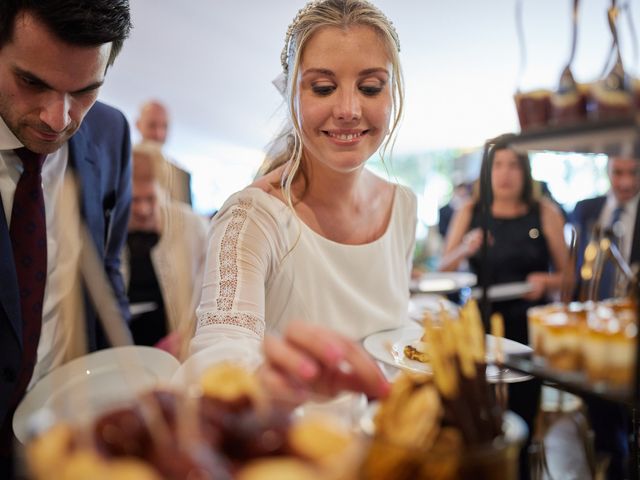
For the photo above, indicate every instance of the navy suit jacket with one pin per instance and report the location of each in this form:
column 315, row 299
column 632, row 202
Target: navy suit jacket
column 100, row 155
column 585, row 215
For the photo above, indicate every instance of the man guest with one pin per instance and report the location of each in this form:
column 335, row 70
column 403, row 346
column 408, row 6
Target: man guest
column 616, row 213
column 54, row 56
column 153, row 125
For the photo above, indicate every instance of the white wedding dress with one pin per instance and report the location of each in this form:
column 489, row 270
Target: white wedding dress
column 265, row 268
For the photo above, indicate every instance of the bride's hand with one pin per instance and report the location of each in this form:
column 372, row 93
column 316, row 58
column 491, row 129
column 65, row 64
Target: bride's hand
column 310, row 359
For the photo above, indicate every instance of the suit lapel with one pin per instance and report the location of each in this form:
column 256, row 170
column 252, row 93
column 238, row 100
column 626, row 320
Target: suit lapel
column 9, row 295
column 591, row 216
column 82, row 160
column 594, row 216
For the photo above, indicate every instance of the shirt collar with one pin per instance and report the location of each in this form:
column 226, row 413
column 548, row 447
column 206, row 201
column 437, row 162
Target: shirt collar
column 612, row 203
column 632, row 202
column 8, row 141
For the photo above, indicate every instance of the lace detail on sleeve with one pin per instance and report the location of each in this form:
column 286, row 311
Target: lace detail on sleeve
column 229, row 255
column 223, row 314
column 237, row 319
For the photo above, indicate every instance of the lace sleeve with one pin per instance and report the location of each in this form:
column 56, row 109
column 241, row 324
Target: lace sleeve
column 231, row 313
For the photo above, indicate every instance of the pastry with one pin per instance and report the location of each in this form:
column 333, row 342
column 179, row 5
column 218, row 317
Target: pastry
column 417, row 351
column 283, row 468
column 319, row 439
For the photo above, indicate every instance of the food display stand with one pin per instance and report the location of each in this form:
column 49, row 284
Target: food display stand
column 585, row 137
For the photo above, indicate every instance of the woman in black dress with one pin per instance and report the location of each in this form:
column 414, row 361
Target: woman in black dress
column 526, row 244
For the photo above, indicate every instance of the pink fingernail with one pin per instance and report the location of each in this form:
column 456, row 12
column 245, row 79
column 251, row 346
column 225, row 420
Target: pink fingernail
column 385, row 388
column 334, row 353
column 308, row 370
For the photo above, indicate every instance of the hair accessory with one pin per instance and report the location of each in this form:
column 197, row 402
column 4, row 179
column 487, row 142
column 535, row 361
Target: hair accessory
column 280, row 82
column 284, row 55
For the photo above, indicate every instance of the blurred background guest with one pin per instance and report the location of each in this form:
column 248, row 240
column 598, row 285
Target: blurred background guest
column 165, row 254
column 526, row 240
column 153, row 122
column 460, row 195
column 153, row 125
column 526, row 244
column 616, row 213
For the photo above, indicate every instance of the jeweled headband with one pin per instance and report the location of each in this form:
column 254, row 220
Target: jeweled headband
column 284, row 56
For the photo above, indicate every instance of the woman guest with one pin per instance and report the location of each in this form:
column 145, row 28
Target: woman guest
column 318, row 244
column 526, row 244
column 526, row 240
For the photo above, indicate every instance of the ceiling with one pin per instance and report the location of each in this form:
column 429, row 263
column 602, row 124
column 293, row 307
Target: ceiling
column 212, row 63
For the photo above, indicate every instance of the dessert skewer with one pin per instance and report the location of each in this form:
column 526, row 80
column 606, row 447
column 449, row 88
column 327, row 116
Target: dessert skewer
column 497, row 330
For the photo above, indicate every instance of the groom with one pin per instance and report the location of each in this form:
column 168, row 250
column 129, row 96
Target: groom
column 54, row 56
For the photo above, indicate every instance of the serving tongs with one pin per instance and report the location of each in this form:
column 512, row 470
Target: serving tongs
column 629, row 82
column 606, row 245
column 567, row 82
column 600, row 250
column 521, row 43
column 615, row 78
column 633, row 34
column 590, row 263
column 610, row 252
column 566, row 289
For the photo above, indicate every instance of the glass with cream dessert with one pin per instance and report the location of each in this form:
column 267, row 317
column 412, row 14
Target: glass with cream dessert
column 569, row 101
column 597, row 339
column 608, row 98
column 534, row 108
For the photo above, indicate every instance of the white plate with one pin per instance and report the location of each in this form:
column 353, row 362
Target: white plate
column 423, row 302
column 513, row 426
column 388, row 347
column 83, row 388
column 504, row 291
column 443, row 282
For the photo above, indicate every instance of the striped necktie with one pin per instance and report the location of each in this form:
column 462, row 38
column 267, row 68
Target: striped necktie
column 608, row 280
column 28, row 231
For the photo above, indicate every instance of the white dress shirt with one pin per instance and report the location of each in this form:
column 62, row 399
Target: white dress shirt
column 53, row 338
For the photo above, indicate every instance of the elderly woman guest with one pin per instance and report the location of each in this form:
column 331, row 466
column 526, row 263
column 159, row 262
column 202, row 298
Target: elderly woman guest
column 318, row 239
column 163, row 261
